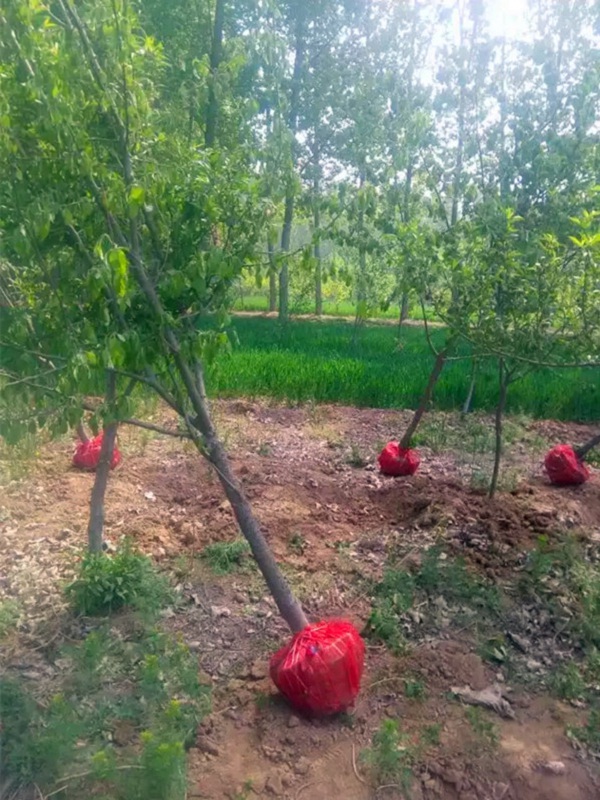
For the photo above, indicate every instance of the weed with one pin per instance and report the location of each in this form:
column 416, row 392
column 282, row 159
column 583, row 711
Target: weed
column 390, row 757
column 414, row 689
column 107, row 582
column 9, row 616
column 297, row 543
column 588, row 734
column 494, row 649
column 246, row 791
column 567, row 682
column 149, row 684
column 431, row 735
column 356, row 458
column 394, row 596
column 451, row 579
column 264, row 449
column 485, row 732
column 225, row 557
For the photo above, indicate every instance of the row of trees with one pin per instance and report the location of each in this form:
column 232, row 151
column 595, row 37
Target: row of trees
column 153, row 153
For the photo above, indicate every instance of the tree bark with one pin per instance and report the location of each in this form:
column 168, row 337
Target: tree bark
column 438, row 366
column 469, row 398
column 317, row 252
column 581, row 452
column 95, row 530
column 288, row 215
column 272, row 277
column 212, row 108
column 503, row 379
column 404, row 308
column 81, row 434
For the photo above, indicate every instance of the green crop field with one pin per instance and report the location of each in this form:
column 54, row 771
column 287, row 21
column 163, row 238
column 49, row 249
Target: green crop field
column 385, row 367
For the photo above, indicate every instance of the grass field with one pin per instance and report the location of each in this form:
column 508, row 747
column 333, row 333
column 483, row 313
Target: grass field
column 384, row 368
column 258, row 301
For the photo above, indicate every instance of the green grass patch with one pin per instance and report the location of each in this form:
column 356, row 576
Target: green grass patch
column 440, row 584
column 384, row 367
column 226, row 557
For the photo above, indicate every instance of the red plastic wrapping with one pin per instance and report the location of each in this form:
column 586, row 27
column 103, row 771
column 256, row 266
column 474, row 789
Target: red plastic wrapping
column 396, row 460
column 319, row 671
column 87, row 454
column 563, row 466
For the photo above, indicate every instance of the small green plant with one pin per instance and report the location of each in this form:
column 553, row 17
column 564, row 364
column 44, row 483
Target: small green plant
column 9, row 616
column 431, row 735
column 494, row 649
column 246, row 791
column 225, row 557
column 147, row 685
column 108, row 582
column 588, row 734
column 264, row 449
column 393, row 597
column 356, row 458
column 567, row 682
column 485, row 732
column 297, row 543
column 391, row 757
column 414, row 689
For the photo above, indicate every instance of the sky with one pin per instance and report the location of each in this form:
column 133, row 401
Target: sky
column 507, row 17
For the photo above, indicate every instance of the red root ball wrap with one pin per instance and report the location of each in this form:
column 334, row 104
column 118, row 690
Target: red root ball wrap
column 395, row 460
column 87, row 454
column 564, row 468
column 319, row 671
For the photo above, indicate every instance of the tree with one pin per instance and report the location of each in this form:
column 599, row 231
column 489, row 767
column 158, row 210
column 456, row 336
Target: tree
column 144, row 268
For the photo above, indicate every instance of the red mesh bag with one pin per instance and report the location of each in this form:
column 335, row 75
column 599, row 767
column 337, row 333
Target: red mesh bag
column 396, row 460
column 87, row 454
column 563, row 466
column 319, row 671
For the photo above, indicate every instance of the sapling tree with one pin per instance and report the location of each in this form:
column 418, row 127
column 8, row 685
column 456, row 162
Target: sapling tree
column 144, row 208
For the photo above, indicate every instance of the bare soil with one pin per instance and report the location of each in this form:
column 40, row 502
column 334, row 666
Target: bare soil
column 332, row 524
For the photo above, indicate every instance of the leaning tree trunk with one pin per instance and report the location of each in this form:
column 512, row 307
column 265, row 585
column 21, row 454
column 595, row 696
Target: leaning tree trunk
column 503, row 380
column 96, row 521
column 581, row 452
column 205, row 437
column 404, row 308
column 469, row 398
column 438, row 366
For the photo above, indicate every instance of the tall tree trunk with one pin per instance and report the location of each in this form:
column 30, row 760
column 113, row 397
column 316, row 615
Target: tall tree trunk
column 317, row 248
column 361, row 284
column 288, row 215
column 503, row 380
column 212, row 108
column 469, row 398
column 438, row 366
column 95, row 530
column 404, row 308
column 272, row 277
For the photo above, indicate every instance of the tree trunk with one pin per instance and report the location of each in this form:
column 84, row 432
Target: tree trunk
column 96, row 521
column 469, row 398
column 81, row 434
column 438, row 366
column 288, row 215
column 211, row 448
column 317, row 254
column 272, row 278
column 404, row 308
column 503, row 379
column 581, row 452
column 212, row 108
